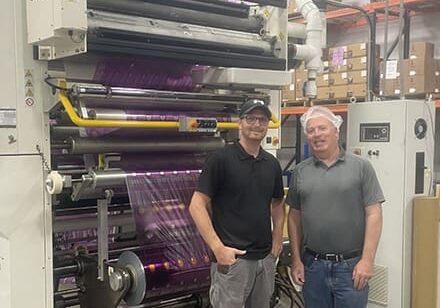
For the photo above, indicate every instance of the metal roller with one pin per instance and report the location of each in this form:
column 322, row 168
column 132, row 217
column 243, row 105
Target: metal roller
column 141, row 115
column 87, row 92
column 133, row 264
column 115, row 33
column 211, row 6
column 107, row 145
column 107, row 114
column 104, row 26
column 62, row 132
column 109, row 178
column 226, row 17
column 106, row 178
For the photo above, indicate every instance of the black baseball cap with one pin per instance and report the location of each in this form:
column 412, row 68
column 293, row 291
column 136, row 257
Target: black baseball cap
column 253, row 104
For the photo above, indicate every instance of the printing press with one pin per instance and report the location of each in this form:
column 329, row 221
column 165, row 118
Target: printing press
column 115, row 107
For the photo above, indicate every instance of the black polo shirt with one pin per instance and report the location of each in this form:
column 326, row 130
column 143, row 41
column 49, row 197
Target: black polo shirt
column 241, row 189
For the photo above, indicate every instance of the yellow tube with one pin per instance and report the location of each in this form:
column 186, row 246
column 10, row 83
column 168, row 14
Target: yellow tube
column 111, row 123
column 275, row 122
column 136, row 124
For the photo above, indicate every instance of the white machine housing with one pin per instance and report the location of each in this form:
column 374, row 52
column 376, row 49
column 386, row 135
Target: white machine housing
column 397, row 137
column 58, row 29
column 26, row 212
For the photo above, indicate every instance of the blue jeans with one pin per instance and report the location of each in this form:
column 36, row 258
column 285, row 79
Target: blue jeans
column 329, row 284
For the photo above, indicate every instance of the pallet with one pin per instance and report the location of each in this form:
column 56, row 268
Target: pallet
column 423, row 96
column 319, row 102
column 418, row 96
column 337, row 101
column 288, row 103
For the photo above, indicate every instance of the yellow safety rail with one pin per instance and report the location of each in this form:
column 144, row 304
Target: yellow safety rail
column 136, row 124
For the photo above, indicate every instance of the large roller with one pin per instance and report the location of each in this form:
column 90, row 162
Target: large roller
column 112, row 145
column 222, row 16
column 153, row 277
column 144, row 115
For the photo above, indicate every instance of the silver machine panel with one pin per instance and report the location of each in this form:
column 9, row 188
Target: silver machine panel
column 58, row 175
column 397, row 137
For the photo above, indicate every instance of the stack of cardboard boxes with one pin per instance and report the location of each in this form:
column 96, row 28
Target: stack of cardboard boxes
column 418, row 75
column 292, row 9
column 345, row 75
column 348, row 72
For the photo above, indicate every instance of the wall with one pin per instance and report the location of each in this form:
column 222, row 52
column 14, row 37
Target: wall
column 423, row 28
column 437, row 148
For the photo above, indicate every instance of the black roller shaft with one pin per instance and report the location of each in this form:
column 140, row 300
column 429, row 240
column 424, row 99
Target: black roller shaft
column 208, row 6
column 112, row 145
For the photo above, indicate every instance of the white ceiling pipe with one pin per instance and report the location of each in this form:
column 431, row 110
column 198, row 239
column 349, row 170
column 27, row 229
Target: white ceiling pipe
column 296, row 30
column 311, row 52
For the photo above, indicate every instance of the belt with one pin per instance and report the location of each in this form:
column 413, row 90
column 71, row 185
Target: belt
column 335, row 257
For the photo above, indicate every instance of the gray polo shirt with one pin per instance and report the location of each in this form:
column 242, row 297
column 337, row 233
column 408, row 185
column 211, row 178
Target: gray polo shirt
column 332, row 201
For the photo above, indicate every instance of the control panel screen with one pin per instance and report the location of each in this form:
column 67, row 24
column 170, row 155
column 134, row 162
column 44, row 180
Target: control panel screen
column 374, row 132
column 194, row 125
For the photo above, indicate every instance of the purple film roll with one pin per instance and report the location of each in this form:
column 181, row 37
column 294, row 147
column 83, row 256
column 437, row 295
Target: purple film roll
column 141, row 73
column 174, row 256
column 165, row 161
column 140, row 115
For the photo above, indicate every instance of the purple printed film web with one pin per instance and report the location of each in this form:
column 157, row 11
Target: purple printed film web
column 85, row 238
column 141, row 73
column 174, row 255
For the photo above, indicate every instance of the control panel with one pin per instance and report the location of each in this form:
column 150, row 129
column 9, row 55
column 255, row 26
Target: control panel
column 374, row 132
column 193, row 125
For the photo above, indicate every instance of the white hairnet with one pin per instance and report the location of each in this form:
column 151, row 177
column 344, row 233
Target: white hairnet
column 320, row 111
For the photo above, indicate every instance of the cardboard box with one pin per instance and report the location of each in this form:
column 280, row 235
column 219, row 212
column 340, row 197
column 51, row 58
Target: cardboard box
column 357, row 64
column 391, row 87
column 419, row 76
column 420, row 85
column 338, row 91
column 421, row 50
column 351, row 51
column 437, row 72
column 357, row 90
column 323, row 93
column 292, row 9
column 338, row 67
column 356, row 50
column 355, row 77
column 389, row 69
column 338, row 79
column 390, row 78
column 299, row 89
column 419, row 66
column 288, row 92
column 322, row 80
column 301, row 72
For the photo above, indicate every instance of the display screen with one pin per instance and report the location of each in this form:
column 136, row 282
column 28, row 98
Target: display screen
column 374, row 132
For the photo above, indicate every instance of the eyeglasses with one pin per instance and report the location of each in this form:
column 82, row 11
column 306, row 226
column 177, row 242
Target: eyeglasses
column 251, row 119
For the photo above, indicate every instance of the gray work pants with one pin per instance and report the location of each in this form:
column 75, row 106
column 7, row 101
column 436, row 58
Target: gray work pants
column 246, row 283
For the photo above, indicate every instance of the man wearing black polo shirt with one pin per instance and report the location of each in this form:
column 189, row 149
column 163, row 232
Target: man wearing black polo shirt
column 335, row 218
column 238, row 209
